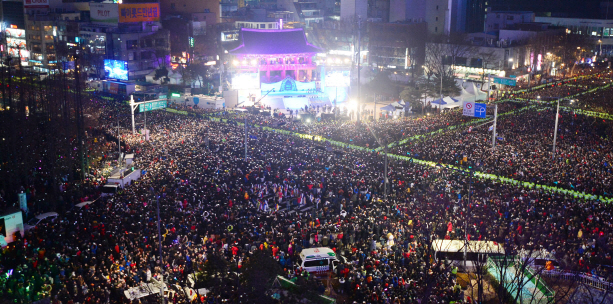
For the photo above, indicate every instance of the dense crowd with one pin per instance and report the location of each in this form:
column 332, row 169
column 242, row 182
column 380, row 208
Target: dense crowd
column 289, row 194
column 582, row 161
column 562, row 88
column 196, row 168
column 599, row 101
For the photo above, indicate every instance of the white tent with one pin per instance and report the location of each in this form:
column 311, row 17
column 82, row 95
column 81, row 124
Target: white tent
column 470, row 92
column 447, row 103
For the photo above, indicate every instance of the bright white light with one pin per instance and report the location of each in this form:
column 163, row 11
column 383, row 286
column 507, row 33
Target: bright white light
column 298, row 116
column 235, row 62
column 338, row 79
column 308, row 121
column 253, row 62
column 246, row 81
column 244, row 62
column 338, row 60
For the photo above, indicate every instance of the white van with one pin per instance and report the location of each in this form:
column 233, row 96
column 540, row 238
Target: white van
column 47, row 217
column 318, row 260
column 109, row 190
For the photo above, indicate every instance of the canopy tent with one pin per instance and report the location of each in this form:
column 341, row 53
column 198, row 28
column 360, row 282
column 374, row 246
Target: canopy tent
column 450, row 100
column 440, row 101
column 389, row 107
column 446, row 103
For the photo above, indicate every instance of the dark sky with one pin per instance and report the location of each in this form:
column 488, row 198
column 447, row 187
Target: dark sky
column 568, row 8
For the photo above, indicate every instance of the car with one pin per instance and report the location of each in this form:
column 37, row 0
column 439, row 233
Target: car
column 41, row 218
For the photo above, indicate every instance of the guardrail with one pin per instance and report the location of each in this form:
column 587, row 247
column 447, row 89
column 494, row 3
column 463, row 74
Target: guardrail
column 587, row 279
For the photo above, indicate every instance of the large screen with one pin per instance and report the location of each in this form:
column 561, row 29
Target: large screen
column 116, row 69
column 246, row 81
column 338, row 79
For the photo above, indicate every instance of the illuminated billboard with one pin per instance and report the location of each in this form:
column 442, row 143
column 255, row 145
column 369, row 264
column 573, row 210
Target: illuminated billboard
column 338, row 79
column 16, row 43
column 15, row 33
column 35, row 3
column 116, row 69
column 139, row 12
column 246, row 81
column 104, row 12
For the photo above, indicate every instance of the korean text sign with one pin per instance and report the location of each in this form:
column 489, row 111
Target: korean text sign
column 139, row 12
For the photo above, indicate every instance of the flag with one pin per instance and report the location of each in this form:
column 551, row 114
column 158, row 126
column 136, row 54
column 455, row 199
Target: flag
column 470, row 129
column 277, row 207
column 253, row 137
column 491, row 128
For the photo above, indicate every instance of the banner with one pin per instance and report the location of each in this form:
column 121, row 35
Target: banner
column 139, row 12
column 106, row 13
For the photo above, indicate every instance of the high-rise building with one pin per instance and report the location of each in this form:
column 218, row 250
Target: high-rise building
column 475, row 15
column 437, row 13
column 352, row 9
column 175, row 7
column 12, row 13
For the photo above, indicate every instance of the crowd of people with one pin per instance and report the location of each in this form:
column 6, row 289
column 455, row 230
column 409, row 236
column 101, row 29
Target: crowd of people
column 524, row 150
column 288, row 194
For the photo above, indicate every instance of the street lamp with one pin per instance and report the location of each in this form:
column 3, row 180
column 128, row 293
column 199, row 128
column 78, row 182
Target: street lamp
column 600, row 43
column 471, row 173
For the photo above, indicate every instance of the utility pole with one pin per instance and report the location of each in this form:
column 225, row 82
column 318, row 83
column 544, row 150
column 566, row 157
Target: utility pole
column 160, row 249
column 442, row 75
column 489, row 86
column 79, row 116
column 245, row 137
column 118, row 144
column 494, row 129
column 555, row 131
column 470, row 171
column 358, row 62
column 374, row 113
column 385, row 171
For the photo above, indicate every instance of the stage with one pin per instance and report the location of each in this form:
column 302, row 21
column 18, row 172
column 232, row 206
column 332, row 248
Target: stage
column 290, row 94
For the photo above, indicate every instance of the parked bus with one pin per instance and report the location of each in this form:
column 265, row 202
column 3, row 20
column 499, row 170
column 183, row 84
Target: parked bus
column 476, row 252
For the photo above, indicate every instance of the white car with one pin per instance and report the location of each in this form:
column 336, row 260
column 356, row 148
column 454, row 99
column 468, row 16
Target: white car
column 41, row 218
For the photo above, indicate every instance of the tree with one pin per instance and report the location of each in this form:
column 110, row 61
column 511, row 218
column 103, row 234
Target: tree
column 381, row 84
column 161, row 73
column 447, row 51
column 197, row 72
column 415, row 94
column 570, row 48
column 487, row 57
column 259, row 271
column 450, row 86
column 215, row 269
column 442, row 55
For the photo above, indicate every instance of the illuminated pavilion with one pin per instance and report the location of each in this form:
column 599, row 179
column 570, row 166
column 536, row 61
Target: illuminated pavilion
column 275, row 55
